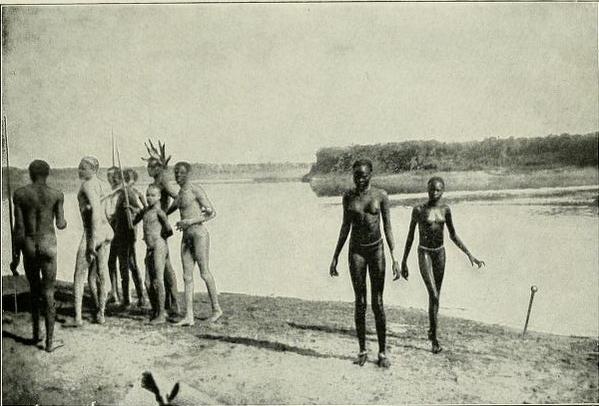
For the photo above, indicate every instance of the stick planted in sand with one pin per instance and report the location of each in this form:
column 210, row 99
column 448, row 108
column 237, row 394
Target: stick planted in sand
column 533, row 290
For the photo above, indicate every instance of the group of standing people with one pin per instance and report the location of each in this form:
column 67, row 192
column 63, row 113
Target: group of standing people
column 109, row 213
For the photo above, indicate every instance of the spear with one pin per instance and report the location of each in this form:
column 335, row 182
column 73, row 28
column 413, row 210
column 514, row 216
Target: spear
column 129, row 220
column 10, row 210
column 112, row 133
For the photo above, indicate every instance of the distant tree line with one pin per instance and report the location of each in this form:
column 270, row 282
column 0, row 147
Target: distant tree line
column 67, row 179
column 540, row 152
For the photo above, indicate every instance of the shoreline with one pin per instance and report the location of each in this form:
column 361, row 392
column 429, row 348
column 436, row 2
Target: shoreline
column 23, row 288
column 284, row 350
column 330, row 185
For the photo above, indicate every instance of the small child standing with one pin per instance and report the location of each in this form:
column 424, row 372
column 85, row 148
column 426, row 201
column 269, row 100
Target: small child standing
column 156, row 231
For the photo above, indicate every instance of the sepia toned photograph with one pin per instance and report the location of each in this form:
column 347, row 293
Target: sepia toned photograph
column 300, row 203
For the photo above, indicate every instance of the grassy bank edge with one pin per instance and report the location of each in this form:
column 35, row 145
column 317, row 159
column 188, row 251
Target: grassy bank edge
column 415, row 182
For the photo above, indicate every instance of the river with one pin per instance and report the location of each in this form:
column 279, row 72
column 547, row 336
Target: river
column 277, row 239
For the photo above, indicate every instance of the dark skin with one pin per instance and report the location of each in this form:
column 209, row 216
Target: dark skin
column 37, row 208
column 431, row 218
column 156, row 231
column 167, row 193
column 363, row 209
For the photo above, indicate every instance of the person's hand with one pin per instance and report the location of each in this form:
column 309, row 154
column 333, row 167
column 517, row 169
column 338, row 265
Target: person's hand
column 61, row 225
column 90, row 252
column 182, row 225
column 395, row 268
column 474, row 261
column 404, row 270
column 15, row 264
column 333, row 268
column 166, row 233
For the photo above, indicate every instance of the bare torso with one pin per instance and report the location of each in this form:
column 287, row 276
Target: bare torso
column 188, row 205
column 167, row 191
column 153, row 227
column 364, row 210
column 96, row 189
column 38, row 205
column 431, row 224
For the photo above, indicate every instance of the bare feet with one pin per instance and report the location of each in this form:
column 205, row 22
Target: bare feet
column 186, row 321
column 383, row 361
column 160, row 319
column 100, row 318
column 217, row 314
column 50, row 347
column 361, row 359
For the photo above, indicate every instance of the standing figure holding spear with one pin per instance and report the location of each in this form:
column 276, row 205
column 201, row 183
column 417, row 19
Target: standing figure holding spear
column 37, row 208
column 127, row 206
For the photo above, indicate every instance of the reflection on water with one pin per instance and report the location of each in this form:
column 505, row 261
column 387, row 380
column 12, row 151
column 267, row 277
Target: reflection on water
column 278, row 239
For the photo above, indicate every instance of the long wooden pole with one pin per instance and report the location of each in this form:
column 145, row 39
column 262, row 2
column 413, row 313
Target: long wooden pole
column 113, row 147
column 129, row 219
column 10, row 211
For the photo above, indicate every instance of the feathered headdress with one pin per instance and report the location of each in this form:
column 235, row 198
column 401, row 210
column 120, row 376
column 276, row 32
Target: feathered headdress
column 157, row 154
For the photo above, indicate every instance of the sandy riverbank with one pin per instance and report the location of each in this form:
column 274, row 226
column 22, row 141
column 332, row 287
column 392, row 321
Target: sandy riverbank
column 281, row 350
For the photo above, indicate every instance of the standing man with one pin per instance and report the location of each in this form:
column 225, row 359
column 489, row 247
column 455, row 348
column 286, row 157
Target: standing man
column 37, row 208
column 114, row 178
column 195, row 209
column 124, row 242
column 92, row 254
column 157, row 169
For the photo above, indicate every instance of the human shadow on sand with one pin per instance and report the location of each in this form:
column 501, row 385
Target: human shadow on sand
column 271, row 345
column 18, row 339
column 352, row 332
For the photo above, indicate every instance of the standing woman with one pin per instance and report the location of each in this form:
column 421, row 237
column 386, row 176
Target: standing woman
column 363, row 208
column 431, row 218
column 95, row 243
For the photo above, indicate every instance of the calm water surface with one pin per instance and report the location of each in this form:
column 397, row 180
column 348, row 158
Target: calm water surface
column 278, row 238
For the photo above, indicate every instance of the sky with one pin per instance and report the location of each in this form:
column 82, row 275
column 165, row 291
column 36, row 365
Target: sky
column 240, row 83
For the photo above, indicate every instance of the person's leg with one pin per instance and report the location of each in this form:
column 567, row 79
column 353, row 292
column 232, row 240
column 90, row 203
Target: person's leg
column 123, row 256
column 136, row 272
column 103, row 279
column 357, row 271
column 376, row 270
column 149, row 263
column 32, row 271
column 426, row 270
column 438, row 262
column 170, row 287
column 114, row 278
column 81, row 271
column 159, row 259
column 201, row 245
column 188, row 265
column 48, row 266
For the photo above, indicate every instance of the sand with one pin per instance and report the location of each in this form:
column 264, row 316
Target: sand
column 271, row 350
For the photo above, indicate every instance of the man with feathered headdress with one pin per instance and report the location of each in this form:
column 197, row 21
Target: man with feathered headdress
column 158, row 170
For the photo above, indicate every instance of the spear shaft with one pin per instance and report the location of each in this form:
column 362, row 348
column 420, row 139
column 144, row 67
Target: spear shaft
column 10, row 209
column 129, row 220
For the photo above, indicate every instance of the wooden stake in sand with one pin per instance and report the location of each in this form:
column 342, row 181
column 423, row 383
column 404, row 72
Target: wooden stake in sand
column 533, row 290
column 10, row 209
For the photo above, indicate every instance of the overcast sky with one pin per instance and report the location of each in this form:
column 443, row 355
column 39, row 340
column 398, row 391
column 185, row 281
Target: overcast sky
column 275, row 82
